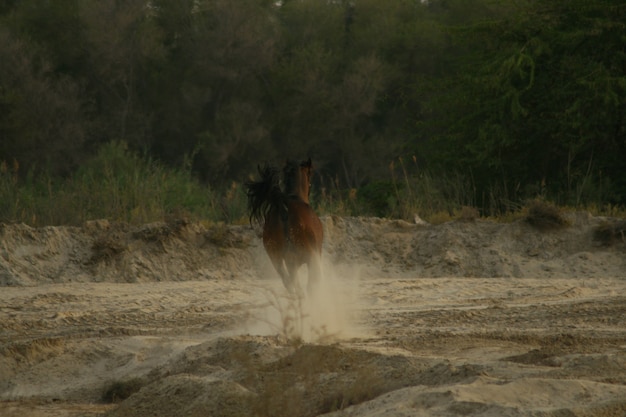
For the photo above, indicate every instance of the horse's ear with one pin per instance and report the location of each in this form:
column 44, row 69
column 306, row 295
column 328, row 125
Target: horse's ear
column 307, row 163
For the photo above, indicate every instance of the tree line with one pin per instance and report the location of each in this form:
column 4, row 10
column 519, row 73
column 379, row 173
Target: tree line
column 515, row 99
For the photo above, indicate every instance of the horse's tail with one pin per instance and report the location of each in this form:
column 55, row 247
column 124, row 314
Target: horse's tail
column 265, row 195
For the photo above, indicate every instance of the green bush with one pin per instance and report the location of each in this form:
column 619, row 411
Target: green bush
column 378, row 198
column 121, row 185
column 116, row 184
column 545, row 216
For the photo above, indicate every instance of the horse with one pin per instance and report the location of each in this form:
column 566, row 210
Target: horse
column 292, row 232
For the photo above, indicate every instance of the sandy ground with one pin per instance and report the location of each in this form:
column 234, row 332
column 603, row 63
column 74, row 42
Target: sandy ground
column 478, row 319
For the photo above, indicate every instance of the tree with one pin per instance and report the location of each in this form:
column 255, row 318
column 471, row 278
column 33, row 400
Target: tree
column 328, row 88
column 218, row 60
column 42, row 123
column 124, row 46
column 537, row 98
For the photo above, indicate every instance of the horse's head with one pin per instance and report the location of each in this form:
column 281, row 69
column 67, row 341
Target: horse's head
column 306, row 173
column 298, row 179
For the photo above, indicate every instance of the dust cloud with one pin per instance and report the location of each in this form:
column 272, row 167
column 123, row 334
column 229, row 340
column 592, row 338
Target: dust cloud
column 329, row 313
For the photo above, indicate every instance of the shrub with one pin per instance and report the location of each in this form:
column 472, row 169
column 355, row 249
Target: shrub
column 611, row 232
column 377, row 198
column 118, row 185
column 120, row 390
column 467, row 214
column 545, row 216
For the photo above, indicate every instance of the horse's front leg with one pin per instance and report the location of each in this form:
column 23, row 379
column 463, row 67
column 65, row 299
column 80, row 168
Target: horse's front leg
column 315, row 274
column 285, row 275
column 294, row 287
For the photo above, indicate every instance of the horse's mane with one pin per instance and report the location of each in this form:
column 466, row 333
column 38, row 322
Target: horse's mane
column 265, row 194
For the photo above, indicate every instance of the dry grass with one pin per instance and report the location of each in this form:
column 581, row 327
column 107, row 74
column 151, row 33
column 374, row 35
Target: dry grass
column 108, row 246
column 225, row 236
column 467, row 214
column 289, row 324
column 611, row 232
column 118, row 391
column 545, row 216
column 308, row 382
column 124, row 187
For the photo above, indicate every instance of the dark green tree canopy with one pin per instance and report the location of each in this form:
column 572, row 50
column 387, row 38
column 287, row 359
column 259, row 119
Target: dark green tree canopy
column 527, row 96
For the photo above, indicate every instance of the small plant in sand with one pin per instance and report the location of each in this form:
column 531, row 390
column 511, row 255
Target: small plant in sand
column 467, row 214
column 439, row 217
column 289, row 324
column 611, row 232
column 108, row 245
column 225, row 236
column 118, row 391
column 545, row 216
column 365, row 386
column 294, row 318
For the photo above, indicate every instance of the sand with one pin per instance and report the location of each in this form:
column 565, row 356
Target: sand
column 186, row 319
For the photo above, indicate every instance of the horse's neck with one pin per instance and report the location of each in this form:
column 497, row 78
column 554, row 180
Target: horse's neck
column 302, row 190
column 297, row 184
column 300, row 194
column 304, row 197
column 303, row 186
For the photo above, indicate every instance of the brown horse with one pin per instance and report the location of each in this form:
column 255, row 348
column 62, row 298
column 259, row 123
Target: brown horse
column 292, row 232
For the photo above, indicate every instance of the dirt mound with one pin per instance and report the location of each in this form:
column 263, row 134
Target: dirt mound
column 288, row 380
column 188, row 395
column 101, row 251
column 112, row 252
column 485, row 396
column 474, row 249
column 263, row 376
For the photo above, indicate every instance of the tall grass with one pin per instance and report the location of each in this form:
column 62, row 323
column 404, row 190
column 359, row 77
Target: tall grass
column 118, row 185
column 432, row 197
column 412, row 191
column 407, row 192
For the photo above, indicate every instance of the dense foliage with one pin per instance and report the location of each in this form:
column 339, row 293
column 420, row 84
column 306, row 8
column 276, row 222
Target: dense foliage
column 484, row 102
